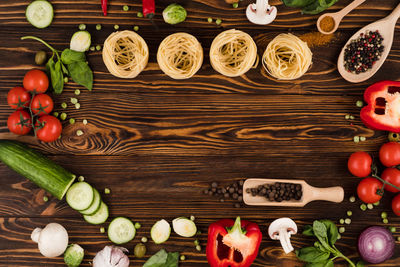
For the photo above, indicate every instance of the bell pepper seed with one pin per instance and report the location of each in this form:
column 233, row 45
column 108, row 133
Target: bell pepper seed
column 384, row 215
column 81, row 178
column 82, row 27
column 210, row 20
column 45, row 198
column 98, row 47
column 102, row 230
column 136, row 28
column 342, row 230
column 144, row 239
column 125, row 8
column 182, row 257
column 77, row 106
column 347, row 221
column 64, row 105
column 98, row 27
column 352, row 199
column 359, row 104
column 116, row 26
column 370, row 206
column 84, row 122
column 137, row 225
column 363, row 207
column 63, row 116
column 79, row 133
column 341, row 221
column 74, row 100
column 139, row 15
column 349, row 213
column 235, row 5
column 77, row 92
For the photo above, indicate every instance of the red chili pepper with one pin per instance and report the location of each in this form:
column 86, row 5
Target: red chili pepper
column 233, row 243
column 149, row 8
column 383, row 109
column 104, row 7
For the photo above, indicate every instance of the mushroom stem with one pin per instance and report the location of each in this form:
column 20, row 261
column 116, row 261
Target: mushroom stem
column 284, row 238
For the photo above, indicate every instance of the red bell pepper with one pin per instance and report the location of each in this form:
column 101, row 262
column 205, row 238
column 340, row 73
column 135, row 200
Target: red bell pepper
column 383, row 109
column 149, row 8
column 233, row 243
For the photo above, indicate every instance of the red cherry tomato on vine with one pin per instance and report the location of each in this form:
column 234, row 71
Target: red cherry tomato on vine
column 42, row 104
column 36, row 81
column 18, row 98
column 396, row 205
column 51, row 129
column 367, row 190
column 19, row 122
column 389, row 154
column 359, row 164
column 391, row 175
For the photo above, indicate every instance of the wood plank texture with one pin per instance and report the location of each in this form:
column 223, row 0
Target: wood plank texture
column 157, row 143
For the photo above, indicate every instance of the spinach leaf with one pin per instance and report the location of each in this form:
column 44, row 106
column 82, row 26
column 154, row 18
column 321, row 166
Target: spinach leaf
column 81, row 74
column 297, row 3
column 312, row 254
column 332, row 231
column 172, row 260
column 308, row 230
column 69, row 56
column 318, row 6
column 163, row 259
column 327, row 263
column 56, row 75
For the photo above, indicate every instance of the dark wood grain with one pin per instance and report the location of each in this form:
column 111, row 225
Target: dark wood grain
column 157, row 142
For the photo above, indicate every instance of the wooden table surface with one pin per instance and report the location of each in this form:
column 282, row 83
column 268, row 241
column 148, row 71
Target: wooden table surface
column 157, row 143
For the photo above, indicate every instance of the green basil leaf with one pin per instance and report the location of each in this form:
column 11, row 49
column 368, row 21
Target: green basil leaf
column 327, row 263
column 308, row 230
column 320, row 229
column 69, row 56
column 312, row 254
column 172, row 260
column 318, row 6
column 81, row 74
column 297, row 3
column 157, row 260
column 56, row 75
column 332, row 231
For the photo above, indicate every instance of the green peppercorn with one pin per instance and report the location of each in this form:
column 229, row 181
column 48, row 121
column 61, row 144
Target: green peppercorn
column 102, row 230
column 394, row 137
column 98, row 47
column 182, row 258
column 139, row 251
column 125, row 8
column 64, row 105
column 137, row 225
column 342, row 230
column 40, row 57
column 210, row 20
column 144, row 239
column 45, row 198
column 359, row 104
column 218, row 21
column 82, row 27
column 363, row 207
column 98, row 27
column 235, row 5
column 349, row 213
column 136, row 28
column 384, row 215
column 63, row 116
column 71, row 121
column 352, row 199
column 107, row 191
column 116, row 26
column 139, row 15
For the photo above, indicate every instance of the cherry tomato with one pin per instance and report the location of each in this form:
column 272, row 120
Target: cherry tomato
column 36, row 81
column 19, row 122
column 391, row 175
column 42, row 104
column 359, row 164
column 51, row 130
column 396, row 205
column 367, row 190
column 18, row 98
column 389, row 154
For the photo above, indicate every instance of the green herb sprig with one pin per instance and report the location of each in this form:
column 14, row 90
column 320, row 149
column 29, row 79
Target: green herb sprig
column 324, row 252
column 69, row 64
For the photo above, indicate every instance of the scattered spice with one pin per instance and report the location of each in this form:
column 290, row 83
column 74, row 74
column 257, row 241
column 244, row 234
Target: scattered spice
column 362, row 53
column 327, row 24
column 233, row 191
column 314, row 39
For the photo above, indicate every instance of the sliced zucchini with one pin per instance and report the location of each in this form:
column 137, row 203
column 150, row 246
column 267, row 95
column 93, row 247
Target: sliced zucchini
column 39, row 13
column 95, row 205
column 99, row 217
column 160, row 231
column 121, row 230
column 184, row 227
column 80, row 196
column 80, row 41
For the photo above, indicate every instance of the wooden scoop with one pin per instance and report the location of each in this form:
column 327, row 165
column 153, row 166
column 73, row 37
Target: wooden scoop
column 385, row 27
column 310, row 193
column 338, row 16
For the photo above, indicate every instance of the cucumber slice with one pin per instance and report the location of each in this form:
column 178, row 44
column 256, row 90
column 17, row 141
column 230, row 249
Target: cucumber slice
column 80, row 196
column 80, row 41
column 39, row 13
column 160, row 231
column 184, row 227
column 121, row 230
column 99, row 217
column 95, row 205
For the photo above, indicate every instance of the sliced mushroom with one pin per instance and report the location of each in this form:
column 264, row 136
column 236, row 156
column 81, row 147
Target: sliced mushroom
column 282, row 229
column 261, row 12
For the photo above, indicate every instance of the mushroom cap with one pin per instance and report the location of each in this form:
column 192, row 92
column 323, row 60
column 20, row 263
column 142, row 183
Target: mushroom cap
column 282, row 223
column 53, row 240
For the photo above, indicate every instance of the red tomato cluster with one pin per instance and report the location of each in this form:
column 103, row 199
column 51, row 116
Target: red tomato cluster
column 32, row 98
column 360, row 165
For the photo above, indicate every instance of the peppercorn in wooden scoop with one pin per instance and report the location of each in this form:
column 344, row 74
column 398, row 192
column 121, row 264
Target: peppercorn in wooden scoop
column 289, row 193
column 356, row 61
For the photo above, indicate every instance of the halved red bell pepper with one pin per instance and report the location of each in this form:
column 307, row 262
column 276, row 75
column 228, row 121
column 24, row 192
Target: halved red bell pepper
column 383, row 109
column 233, row 243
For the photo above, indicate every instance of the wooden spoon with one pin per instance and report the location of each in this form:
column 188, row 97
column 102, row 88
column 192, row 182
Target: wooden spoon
column 338, row 16
column 385, row 27
column 310, row 193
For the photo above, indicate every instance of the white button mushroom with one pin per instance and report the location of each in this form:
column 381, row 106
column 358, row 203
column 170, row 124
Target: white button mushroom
column 261, row 12
column 282, row 229
column 52, row 240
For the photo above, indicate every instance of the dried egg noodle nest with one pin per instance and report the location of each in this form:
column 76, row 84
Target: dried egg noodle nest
column 233, row 53
column 180, row 55
column 287, row 57
column 125, row 54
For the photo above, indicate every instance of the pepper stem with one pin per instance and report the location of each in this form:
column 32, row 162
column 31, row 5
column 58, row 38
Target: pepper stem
column 237, row 227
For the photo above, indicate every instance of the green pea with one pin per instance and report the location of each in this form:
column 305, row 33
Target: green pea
column 136, row 28
column 349, row 213
column 347, row 221
column 370, row 206
column 356, row 139
column 77, row 92
column 363, row 138
column 84, row 122
column 218, row 21
column 139, row 15
column 394, row 137
column 82, row 27
column 45, row 198
column 77, row 106
column 63, row 116
column 55, row 114
column 81, row 178
column 342, row 230
column 92, row 48
column 65, row 79
column 102, row 230
column 98, row 47
column 363, row 207
column 192, row 218
column 196, row 242
column 384, row 215
column 137, row 225
column 351, row 117
column 125, row 8
column 182, row 258
column 74, row 100
column 144, row 239
column 98, row 27
column 385, row 221
column 139, row 251
column 398, row 238
column 235, row 5
column 40, row 57
column 352, row 199
column 339, row 236
column 341, row 221
column 198, row 248
column 116, row 26
column 359, row 104
column 107, row 191
column 64, row 105
column 71, row 121
column 347, row 116
column 376, row 203
column 210, row 20
column 392, row 229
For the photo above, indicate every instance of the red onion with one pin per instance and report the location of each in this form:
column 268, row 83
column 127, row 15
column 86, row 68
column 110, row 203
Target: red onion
column 376, row 244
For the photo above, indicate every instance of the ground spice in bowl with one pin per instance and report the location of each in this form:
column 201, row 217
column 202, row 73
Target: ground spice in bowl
column 327, row 24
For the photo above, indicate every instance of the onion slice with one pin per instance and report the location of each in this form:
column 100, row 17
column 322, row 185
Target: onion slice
column 376, row 244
